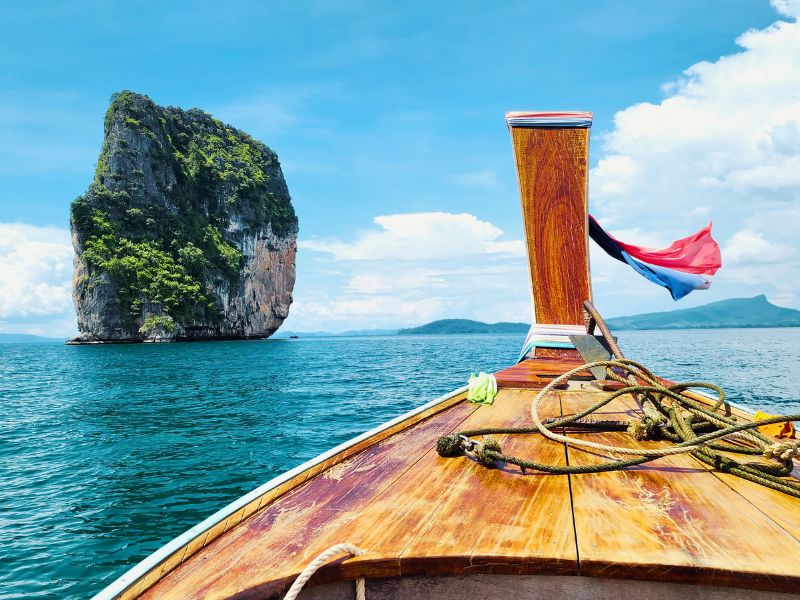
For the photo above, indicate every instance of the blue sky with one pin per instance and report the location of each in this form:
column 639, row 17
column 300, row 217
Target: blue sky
column 379, row 110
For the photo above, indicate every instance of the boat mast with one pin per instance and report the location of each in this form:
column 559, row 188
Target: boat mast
column 552, row 152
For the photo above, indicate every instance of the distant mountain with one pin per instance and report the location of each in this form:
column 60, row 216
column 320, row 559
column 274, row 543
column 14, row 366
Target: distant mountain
column 736, row 312
column 447, row 326
column 360, row 332
column 24, row 338
column 350, row 333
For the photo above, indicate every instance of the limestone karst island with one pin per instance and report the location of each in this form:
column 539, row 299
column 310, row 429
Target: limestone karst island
column 187, row 231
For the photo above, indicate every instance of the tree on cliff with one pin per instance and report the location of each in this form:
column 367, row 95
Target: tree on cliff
column 187, row 230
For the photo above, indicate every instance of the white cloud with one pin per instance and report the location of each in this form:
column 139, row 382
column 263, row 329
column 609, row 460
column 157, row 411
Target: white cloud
column 751, row 259
column 411, row 269
column 788, row 8
column 378, row 311
column 378, row 282
column 35, row 279
column 748, row 247
column 616, row 172
column 420, row 236
column 724, row 144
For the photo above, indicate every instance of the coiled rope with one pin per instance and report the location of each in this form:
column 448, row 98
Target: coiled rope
column 668, row 412
column 319, row 561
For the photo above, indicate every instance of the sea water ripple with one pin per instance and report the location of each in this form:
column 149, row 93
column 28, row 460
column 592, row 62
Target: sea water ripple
column 108, row 452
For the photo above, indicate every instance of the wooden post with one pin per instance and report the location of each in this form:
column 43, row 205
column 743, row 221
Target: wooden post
column 552, row 152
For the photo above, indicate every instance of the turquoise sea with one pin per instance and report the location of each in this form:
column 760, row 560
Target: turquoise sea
column 108, row 452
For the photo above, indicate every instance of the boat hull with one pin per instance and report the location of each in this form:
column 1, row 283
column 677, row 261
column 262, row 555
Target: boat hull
column 531, row 587
column 418, row 515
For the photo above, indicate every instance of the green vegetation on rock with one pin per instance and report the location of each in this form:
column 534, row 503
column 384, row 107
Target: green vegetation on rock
column 153, row 323
column 156, row 217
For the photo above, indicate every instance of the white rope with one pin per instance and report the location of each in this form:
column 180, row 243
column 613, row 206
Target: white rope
column 783, row 449
column 319, row 561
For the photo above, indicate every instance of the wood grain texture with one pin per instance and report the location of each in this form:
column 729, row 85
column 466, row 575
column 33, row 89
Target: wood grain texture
column 262, row 554
column 435, row 519
column 552, row 168
column 413, row 511
column 535, row 373
column 417, row 514
column 673, row 520
column 527, row 529
column 777, row 506
column 209, row 535
column 566, row 353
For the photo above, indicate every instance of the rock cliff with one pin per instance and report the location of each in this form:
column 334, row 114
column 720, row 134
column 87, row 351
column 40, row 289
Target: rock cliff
column 186, row 232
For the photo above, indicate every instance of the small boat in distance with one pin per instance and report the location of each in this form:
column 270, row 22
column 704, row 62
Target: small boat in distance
column 453, row 500
column 294, row 337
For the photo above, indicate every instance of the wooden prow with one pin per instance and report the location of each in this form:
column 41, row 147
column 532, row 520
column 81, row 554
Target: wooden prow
column 552, row 152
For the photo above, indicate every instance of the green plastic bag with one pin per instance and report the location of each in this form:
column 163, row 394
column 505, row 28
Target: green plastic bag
column 482, row 388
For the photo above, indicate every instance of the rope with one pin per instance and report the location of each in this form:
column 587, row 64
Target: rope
column 594, row 318
column 320, row 560
column 668, row 413
column 655, row 452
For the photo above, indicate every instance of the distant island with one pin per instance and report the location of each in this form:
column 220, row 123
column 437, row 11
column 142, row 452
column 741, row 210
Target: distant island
column 26, row 338
column 321, row 334
column 441, row 327
column 735, row 312
column 448, row 326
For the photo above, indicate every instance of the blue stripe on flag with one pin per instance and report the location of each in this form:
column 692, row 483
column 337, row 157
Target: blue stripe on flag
column 679, row 284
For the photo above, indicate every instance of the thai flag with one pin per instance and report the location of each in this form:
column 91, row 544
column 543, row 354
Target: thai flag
column 681, row 267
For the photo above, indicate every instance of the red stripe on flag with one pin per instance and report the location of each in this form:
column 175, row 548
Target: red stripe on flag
column 698, row 253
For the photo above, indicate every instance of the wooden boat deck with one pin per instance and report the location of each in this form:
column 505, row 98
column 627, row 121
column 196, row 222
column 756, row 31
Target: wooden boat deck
column 415, row 513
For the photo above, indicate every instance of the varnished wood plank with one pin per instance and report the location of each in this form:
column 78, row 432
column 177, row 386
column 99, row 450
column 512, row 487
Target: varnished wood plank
column 402, row 513
column 250, row 508
column 567, row 353
column 672, row 520
column 536, row 373
column 552, row 168
column 781, row 508
column 450, row 516
column 495, row 520
column 209, row 535
column 264, row 553
column 173, row 561
column 132, row 592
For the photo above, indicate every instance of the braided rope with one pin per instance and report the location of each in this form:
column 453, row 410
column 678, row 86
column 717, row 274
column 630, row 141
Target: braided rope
column 679, row 425
column 319, row 561
column 593, row 317
column 556, row 437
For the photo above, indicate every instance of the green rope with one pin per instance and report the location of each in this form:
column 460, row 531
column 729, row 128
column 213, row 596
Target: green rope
column 668, row 413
